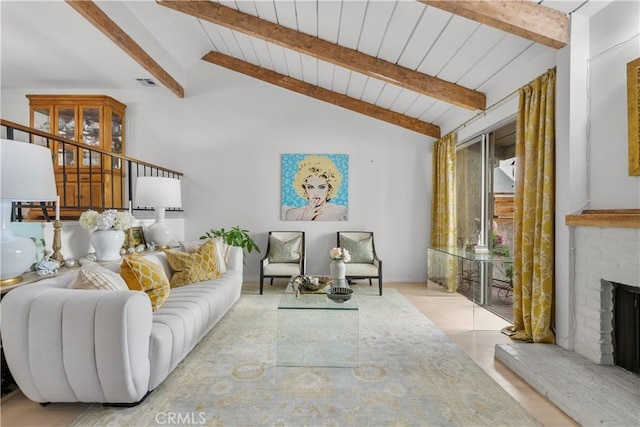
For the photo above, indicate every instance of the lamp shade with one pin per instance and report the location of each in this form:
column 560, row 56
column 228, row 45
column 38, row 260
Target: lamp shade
column 26, row 175
column 158, row 191
column 26, row 172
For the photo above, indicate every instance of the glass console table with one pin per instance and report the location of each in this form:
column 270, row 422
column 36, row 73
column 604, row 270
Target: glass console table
column 485, row 279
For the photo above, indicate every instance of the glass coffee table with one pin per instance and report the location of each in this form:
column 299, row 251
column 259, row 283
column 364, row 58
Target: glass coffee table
column 316, row 331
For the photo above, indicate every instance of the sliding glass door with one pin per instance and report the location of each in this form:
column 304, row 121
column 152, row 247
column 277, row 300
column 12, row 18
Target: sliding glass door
column 485, row 184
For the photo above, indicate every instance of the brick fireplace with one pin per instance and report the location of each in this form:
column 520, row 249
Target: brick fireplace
column 607, row 249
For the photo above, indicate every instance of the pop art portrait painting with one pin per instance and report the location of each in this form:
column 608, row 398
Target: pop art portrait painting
column 315, row 187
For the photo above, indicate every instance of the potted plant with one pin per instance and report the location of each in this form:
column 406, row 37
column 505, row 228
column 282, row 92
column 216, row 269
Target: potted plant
column 236, row 236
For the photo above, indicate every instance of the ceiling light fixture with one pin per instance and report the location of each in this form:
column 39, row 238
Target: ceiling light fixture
column 147, row 82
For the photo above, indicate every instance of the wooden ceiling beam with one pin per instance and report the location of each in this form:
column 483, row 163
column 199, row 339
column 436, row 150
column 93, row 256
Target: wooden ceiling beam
column 92, row 13
column 330, row 52
column 322, row 94
column 527, row 19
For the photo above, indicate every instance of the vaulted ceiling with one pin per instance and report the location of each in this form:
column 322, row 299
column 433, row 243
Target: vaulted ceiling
column 416, row 64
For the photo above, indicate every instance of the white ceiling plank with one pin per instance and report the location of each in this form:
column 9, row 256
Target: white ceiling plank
column 329, row 14
column 262, row 52
column 228, row 3
column 376, row 19
column 246, row 7
column 293, row 64
column 419, row 106
column 405, row 99
column 309, row 69
column 372, row 90
column 535, row 60
column 388, row 96
column 214, row 35
column 495, row 59
column 325, row 74
column 286, row 14
column 452, row 38
column 228, row 40
column 356, row 85
column 277, row 59
column 402, row 25
column 481, row 42
column 425, row 35
column 245, row 45
column 266, row 10
column 455, row 118
column 340, row 80
column 307, row 17
column 435, row 110
column 353, row 13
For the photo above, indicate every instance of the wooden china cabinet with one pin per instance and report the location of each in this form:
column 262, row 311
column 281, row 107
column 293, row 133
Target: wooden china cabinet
column 83, row 177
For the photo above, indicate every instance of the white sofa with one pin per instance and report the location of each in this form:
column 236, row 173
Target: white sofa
column 72, row 345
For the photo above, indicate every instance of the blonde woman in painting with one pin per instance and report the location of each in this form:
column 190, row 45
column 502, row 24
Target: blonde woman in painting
column 318, row 181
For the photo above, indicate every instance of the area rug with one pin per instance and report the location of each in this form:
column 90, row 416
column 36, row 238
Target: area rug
column 410, row 374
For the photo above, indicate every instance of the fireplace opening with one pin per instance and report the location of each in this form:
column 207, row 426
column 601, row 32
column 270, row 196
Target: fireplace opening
column 626, row 327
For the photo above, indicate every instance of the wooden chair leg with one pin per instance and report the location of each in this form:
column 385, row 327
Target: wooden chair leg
column 261, row 284
column 380, row 285
column 271, row 283
column 370, row 284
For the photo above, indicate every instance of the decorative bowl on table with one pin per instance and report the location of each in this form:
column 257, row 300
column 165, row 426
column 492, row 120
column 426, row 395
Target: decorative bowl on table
column 312, row 283
column 339, row 294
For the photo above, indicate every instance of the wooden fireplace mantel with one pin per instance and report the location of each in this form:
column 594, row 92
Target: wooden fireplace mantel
column 612, row 218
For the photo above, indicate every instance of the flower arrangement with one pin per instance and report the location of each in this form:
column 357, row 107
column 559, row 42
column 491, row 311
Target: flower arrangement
column 340, row 254
column 499, row 246
column 110, row 219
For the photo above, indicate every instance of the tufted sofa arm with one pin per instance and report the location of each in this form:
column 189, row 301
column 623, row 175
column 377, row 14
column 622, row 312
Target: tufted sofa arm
column 65, row 345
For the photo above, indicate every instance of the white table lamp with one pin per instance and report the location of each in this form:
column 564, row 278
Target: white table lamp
column 161, row 193
column 26, row 175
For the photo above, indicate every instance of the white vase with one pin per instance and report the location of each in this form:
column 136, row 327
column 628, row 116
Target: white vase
column 107, row 244
column 337, row 269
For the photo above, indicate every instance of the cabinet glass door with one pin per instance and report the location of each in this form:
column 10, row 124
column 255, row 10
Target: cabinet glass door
column 41, row 120
column 90, row 135
column 65, row 127
column 116, row 138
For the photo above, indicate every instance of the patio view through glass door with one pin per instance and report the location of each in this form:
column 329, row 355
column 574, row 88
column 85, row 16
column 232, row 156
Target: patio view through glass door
column 485, row 173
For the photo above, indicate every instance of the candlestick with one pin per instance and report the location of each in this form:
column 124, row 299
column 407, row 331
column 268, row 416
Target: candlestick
column 57, row 242
column 58, row 208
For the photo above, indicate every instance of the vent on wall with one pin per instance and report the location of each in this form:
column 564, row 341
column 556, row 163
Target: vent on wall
column 147, row 82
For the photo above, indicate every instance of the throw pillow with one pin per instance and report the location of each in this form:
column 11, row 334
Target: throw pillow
column 361, row 251
column 190, row 247
column 221, row 249
column 222, row 254
column 144, row 275
column 283, row 252
column 94, row 276
column 194, row 267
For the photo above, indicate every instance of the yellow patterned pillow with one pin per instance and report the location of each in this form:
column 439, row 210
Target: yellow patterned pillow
column 144, row 275
column 193, row 267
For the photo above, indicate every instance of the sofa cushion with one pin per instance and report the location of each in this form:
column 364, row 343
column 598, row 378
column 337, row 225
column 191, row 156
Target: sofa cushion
column 221, row 251
column 284, row 252
column 94, row 276
column 144, row 275
column 193, row 267
column 361, row 251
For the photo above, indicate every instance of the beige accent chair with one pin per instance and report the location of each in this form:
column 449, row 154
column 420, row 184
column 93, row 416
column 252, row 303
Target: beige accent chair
column 364, row 263
column 284, row 256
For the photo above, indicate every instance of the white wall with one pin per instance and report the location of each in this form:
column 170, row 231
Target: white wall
column 610, row 184
column 228, row 139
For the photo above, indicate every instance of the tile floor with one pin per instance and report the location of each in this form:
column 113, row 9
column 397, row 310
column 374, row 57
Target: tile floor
column 475, row 330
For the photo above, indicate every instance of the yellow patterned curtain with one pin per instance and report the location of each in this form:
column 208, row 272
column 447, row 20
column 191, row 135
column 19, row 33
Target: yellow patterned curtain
column 443, row 208
column 533, row 280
